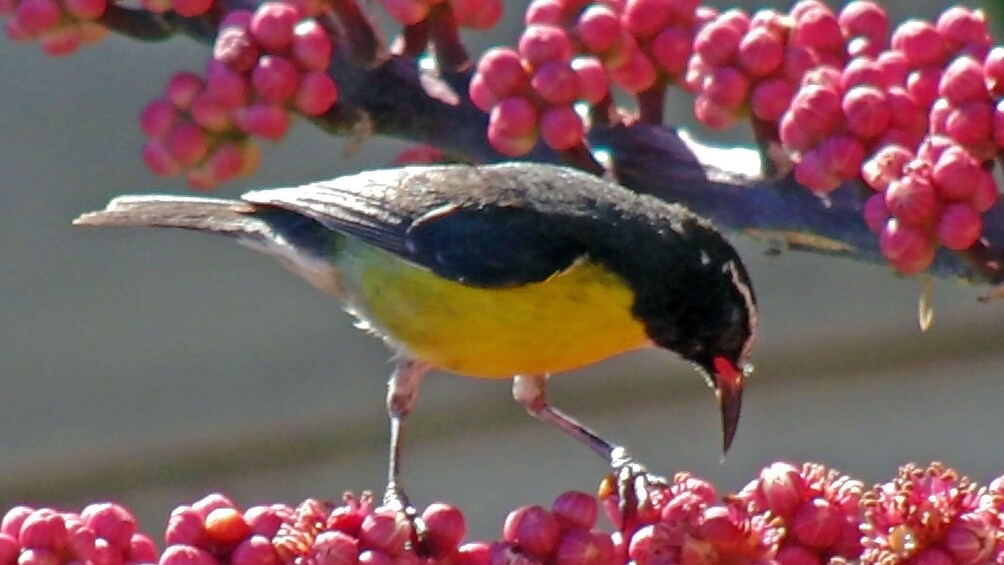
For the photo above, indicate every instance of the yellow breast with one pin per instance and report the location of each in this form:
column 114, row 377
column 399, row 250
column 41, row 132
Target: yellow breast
column 575, row 318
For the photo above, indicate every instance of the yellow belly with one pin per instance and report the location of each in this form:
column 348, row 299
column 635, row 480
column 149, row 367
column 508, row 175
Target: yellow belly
column 575, row 318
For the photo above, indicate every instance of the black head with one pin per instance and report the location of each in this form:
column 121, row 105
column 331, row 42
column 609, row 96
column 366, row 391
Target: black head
column 695, row 298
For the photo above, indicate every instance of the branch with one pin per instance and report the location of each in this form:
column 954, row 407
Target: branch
column 399, row 99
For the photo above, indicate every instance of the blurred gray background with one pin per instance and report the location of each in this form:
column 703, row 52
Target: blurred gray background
column 153, row 367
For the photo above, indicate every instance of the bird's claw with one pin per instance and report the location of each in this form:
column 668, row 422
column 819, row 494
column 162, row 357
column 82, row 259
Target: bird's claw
column 395, row 499
column 635, row 486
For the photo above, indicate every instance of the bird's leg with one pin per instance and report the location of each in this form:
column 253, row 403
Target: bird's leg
column 402, row 390
column 634, row 482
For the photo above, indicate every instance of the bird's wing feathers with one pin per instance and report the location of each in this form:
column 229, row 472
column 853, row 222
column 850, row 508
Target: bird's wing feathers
column 479, row 244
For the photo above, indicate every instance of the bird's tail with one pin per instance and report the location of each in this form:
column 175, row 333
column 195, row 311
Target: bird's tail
column 298, row 242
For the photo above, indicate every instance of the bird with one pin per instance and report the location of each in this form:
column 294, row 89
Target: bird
column 507, row 271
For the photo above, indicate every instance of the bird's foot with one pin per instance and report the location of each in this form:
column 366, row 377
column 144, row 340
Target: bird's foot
column 629, row 491
column 395, row 499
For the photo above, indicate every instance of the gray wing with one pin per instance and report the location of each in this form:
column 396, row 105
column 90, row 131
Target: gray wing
column 477, row 236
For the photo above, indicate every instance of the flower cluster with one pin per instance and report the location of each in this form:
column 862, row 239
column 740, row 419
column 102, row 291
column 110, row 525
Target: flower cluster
column 60, row 27
column 265, row 65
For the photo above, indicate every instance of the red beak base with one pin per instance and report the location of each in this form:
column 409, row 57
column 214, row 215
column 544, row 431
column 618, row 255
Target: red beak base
column 729, row 381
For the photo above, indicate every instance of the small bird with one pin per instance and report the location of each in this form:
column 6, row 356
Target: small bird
column 517, row 271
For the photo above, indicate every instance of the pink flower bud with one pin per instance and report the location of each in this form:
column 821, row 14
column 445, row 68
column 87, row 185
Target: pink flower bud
column 33, row 556
column 188, row 144
column 386, row 530
column 781, row 487
column 514, row 116
column 652, row 542
column 316, row 95
column 272, row 25
column 817, row 110
column 863, row 71
column 481, row 96
column 598, row 28
column 798, row 555
column 61, row 40
column 761, row 52
column 912, row 200
column 445, row 527
column 645, row 18
column 43, row 529
column 875, row 213
column 311, row 46
column 770, row 98
column 275, row 78
column 920, row 43
column 962, row 82
column 993, row 71
column 843, row 154
column 636, row 74
column 235, row 48
column 186, row 526
column 561, row 128
column 142, row 549
column 670, row 50
column 908, row 250
column 894, row 65
column 227, row 86
column 556, row 83
column 158, row 159
column 542, row 43
column 726, row 87
column 502, row 72
column 959, row 228
column 885, row 166
column 582, row 547
column 816, row 522
column 718, row 44
column 592, row 79
column 182, row 89
column 575, row 509
column 864, row 18
column 970, row 124
column 961, row 27
column 474, row 553
column 157, row 118
column 932, row 556
column 226, row 526
column 712, row 115
column 818, row 29
column 922, row 84
column 9, row 549
column 813, row 172
column 955, row 174
column 532, row 529
column 210, row 113
column 37, row 16
column 904, row 113
column 866, row 111
column 985, row 193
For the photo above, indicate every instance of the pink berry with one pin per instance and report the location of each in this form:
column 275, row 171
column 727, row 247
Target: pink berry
column 188, row 144
column 226, row 86
column 514, row 116
column 191, row 8
column 653, row 542
column 272, row 25
column 726, row 86
column 843, row 154
column 904, row 113
column 875, row 213
column 575, row 509
column 386, row 530
column 962, row 27
column 962, row 82
column 863, row 71
column 160, row 161
column 866, row 111
column 798, row 555
column 445, row 528
column 550, row 12
column 209, row 113
column 561, row 128
column 993, row 71
column 970, row 123
column 670, row 50
column 645, row 18
column 186, row 555
column 543, row 43
column 225, row 163
column 85, row 9
column 582, row 547
column 185, row 526
column 817, row 110
column 920, row 43
column 142, row 549
column 817, row 523
column 713, row 115
column 62, row 40
column 885, row 166
column 227, row 525
column 511, row 145
column 157, row 118
column 864, row 18
column 813, row 172
column 275, row 78
column 258, row 550
column 598, row 28
column 985, row 193
column 556, row 83
column 959, row 227
column 894, row 65
column 316, row 95
column 636, row 74
column 334, row 548
column 532, row 529
column 482, row 96
column 235, row 48
column 955, row 174
column 311, row 46
column 9, row 549
column 43, row 529
column 37, row 16
column 502, row 72
column 908, row 249
column 912, row 200
column 922, row 85
column 263, row 120
column 592, row 79
column 761, row 52
column 770, row 99
column 182, row 89
column 718, row 44
column 818, row 29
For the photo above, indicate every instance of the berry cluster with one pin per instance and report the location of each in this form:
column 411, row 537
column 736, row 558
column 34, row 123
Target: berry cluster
column 60, row 27
column 102, row 533
column 934, row 197
column 564, row 535
column 264, row 64
column 474, row 14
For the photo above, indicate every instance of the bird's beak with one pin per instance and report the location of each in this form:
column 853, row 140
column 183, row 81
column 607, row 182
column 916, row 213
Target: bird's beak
column 728, row 381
